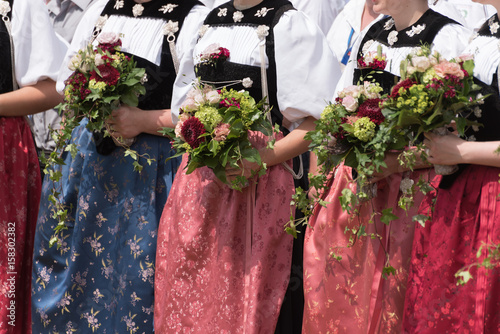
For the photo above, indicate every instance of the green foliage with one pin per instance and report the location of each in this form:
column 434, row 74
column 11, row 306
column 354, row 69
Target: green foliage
column 488, row 257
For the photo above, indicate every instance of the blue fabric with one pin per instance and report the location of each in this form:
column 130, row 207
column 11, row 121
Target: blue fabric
column 101, row 279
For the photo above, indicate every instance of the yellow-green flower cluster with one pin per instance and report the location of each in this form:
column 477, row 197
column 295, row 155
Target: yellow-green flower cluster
column 118, row 58
column 99, row 86
column 209, row 115
column 429, row 75
column 328, row 112
column 418, row 101
column 364, row 129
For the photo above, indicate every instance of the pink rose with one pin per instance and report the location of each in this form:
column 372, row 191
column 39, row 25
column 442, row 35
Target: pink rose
column 465, row 57
column 350, row 103
column 352, row 91
column 221, row 131
column 108, row 38
column 188, row 105
column 211, row 49
column 445, row 68
column 178, row 126
column 421, row 64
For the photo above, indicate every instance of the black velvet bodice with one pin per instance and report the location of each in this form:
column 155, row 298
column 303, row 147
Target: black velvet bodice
column 6, row 83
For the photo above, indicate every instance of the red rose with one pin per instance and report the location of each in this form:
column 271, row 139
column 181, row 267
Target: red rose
column 371, row 109
column 407, row 83
column 191, row 130
column 109, row 74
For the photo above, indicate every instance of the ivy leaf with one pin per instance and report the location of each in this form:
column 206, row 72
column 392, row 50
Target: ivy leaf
column 388, row 216
column 421, row 219
column 463, row 276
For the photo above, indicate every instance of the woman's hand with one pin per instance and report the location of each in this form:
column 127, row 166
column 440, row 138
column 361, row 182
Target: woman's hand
column 126, row 121
column 444, row 150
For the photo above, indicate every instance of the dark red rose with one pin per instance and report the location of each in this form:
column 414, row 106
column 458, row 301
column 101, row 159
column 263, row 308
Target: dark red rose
column 110, row 47
column 405, row 84
column 109, row 74
column 191, row 130
column 371, row 109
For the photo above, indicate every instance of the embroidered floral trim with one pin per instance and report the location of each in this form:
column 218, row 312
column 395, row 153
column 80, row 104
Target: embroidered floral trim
column 367, row 46
column 4, row 8
column 262, row 31
column 393, row 37
column 101, row 22
column 263, row 11
column 119, row 4
column 144, row 78
column 222, row 12
column 416, row 30
column 493, row 25
column 137, row 10
column 247, row 82
column 203, row 29
column 237, row 16
column 389, row 24
column 170, row 28
column 168, row 8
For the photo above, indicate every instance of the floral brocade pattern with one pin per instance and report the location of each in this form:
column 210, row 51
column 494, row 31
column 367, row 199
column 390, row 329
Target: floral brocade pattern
column 350, row 295
column 101, row 279
column 465, row 216
column 214, row 275
column 20, row 187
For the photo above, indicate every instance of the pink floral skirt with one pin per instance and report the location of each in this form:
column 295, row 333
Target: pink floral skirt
column 223, row 258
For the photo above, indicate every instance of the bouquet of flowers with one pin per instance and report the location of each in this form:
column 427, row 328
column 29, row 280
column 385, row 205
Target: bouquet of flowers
column 375, row 60
column 103, row 78
column 432, row 93
column 213, row 128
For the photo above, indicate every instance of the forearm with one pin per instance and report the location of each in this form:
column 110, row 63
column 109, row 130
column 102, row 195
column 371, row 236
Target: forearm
column 289, row 147
column 30, row 99
column 480, row 153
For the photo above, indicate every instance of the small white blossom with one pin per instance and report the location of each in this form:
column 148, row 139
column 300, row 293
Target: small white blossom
column 480, row 98
column 478, row 112
column 471, row 138
column 416, row 30
column 119, row 4
column 222, row 12
column 4, row 8
column 137, row 10
column 237, row 16
column 393, row 37
column 170, row 28
column 262, row 31
column 203, row 30
column 144, row 78
column 101, row 21
column 167, row 8
column 247, row 82
column 263, row 12
column 389, row 24
column 475, row 128
column 406, row 185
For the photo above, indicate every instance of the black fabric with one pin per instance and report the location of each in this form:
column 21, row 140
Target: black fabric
column 5, row 57
column 433, row 22
column 161, row 78
column 485, row 28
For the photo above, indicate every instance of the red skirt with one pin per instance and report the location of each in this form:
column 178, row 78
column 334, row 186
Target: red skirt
column 465, row 217
column 20, row 188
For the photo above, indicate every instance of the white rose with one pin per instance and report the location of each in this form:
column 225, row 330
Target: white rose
column 75, row 62
column 213, row 97
column 353, row 91
column 421, row 63
column 350, row 103
column 98, row 60
column 188, row 105
column 108, row 38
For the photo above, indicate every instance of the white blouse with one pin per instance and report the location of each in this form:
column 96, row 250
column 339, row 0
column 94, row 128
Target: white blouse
column 38, row 52
column 142, row 37
column 306, row 68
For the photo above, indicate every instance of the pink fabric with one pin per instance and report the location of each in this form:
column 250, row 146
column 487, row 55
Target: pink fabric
column 351, row 295
column 223, row 258
column 465, row 216
column 20, row 188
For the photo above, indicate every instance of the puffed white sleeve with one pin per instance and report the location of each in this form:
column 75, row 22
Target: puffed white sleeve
column 185, row 51
column 307, row 71
column 459, row 37
column 81, row 38
column 38, row 52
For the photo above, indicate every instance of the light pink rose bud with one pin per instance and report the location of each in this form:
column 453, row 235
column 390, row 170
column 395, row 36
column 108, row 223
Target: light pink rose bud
column 213, row 97
column 98, row 60
column 352, row 91
column 221, row 131
column 108, row 38
column 178, row 126
column 188, row 105
column 350, row 103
